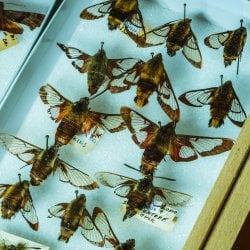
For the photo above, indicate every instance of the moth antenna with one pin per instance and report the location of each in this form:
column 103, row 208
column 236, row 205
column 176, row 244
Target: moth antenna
column 159, row 123
column 102, row 43
column 47, row 141
column 93, row 97
column 152, row 54
column 19, row 177
column 24, row 166
column 164, row 178
column 241, row 22
column 128, row 166
column 239, row 57
column 221, row 79
column 76, row 192
column 184, row 11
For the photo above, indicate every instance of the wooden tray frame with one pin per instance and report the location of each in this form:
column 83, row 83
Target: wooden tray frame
column 228, row 204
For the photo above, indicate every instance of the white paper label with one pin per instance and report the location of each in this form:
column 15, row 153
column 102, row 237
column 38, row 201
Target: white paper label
column 86, row 142
column 8, row 41
column 163, row 218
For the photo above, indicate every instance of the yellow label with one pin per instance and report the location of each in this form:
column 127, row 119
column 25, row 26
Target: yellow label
column 163, row 218
column 86, row 142
column 9, row 40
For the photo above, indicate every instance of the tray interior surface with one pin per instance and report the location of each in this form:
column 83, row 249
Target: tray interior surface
column 24, row 115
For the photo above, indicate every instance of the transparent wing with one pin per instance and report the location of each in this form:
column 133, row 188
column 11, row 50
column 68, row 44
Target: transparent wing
column 59, row 106
column 217, row 40
column 82, row 60
column 192, row 52
column 124, row 189
column 74, row 176
column 167, row 99
column 33, row 20
column 141, row 128
column 171, row 197
column 90, row 231
column 101, row 221
column 20, row 148
column 197, row 98
column 58, row 210
column 112, row 122
column 29, row 213
column 96, row 11
column 236, row 114
column 3, row 187
column 113, row 180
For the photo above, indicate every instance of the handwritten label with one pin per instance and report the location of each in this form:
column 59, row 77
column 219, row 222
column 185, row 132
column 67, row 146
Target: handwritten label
column 8, row 41
column 87, row 142
column 163, row 218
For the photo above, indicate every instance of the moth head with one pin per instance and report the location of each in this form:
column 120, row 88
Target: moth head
column 81, row 105
column 129, row 244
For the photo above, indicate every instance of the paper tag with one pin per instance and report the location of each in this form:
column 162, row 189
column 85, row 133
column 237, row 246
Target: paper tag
column 163, row 218
column 8, row 41
column 7, row 241
column 86, row 142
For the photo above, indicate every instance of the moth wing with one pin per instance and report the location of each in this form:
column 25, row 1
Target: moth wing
column 141, row 128
column 112, row 122
column 157, row 35
column 215, row 41
column 236, row 114
column 119, row 69
column 167, row 99
column 3, row 187
column 112, row 180
column 90, row 231
column 74, row 176
column 101, row 221
column 197, row 98
column 96, row 11
column 33, row 20
column 82, row 60
column 171, row 197
column 23, row 150
column 192, row 52
column 59, row 106
column 206, row 146
column 133, row 26
column 58, row 210
column 29, row 213
column 9, row 26
column 124, row 189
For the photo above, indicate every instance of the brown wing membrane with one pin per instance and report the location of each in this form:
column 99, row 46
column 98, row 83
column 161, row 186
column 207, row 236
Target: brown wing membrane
column 215, row 41
column 102, row 222
column 197, row 98
column 9, row 26
column 33, row 20
column 74, row 176
column 59, row 106
column 96, row 11
column 82, row 60
column 20, row 148
column 141, row 128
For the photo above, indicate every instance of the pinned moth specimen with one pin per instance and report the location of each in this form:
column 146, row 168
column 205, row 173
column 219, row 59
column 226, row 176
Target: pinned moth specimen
column 19, row 246
column 45, row 162
column 177, row 35
column 102, row 223
column 151, row 76
column 10, row 19
column 160, row 140
column 73, row 215
column 141, row 193
column 223, row 103
column 76, row 117
column 122, row 14
column 233, row 42
column 15, row 198
column 100, row 69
